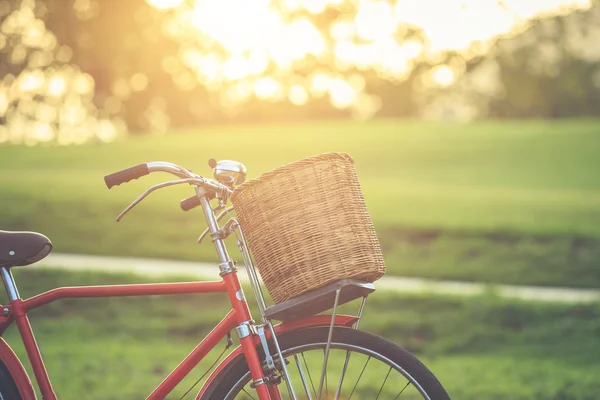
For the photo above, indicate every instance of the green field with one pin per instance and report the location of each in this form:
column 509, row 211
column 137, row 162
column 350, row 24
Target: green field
column 480, row 348
column 510, row 202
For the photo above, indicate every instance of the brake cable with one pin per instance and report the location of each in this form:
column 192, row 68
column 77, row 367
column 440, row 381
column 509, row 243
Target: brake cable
column 197, row 181
column 227, row 346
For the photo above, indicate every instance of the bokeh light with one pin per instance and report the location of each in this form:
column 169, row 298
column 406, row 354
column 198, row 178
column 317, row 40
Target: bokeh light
column 46, row 99
column 277, row 47
column 243, row 51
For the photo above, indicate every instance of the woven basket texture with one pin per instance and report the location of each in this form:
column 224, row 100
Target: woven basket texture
column 307, row 225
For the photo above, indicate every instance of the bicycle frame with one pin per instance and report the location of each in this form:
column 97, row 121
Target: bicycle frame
column 17, row 312
column 238, row 317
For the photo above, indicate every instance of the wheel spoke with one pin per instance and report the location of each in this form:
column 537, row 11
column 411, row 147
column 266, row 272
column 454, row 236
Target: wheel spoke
column 302, row 377
column 360, row 376
column 309, row 377
column 245, row 391
column 326, row 390
column 383, row 384
column 338, row 391
column 402, row 391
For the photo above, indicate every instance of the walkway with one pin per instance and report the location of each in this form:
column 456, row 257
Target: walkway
column 155, row 267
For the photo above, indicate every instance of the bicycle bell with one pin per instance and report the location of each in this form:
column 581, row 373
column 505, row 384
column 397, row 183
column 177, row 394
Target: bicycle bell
column 230, row 173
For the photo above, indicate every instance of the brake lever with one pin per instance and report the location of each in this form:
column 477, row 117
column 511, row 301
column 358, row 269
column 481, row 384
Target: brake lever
column 219, row 217
column 199, row 181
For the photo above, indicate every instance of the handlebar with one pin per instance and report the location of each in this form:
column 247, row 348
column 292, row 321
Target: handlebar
column 140, row 170
column 193, row 202
column 213, row 188
column 126, row 175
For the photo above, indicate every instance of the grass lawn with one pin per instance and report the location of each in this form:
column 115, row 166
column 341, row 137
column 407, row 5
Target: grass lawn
column 510, row 202
column 483, row 348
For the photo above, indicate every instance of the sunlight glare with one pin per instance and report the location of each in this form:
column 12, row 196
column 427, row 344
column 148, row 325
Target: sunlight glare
column 235, row 68
column 375, row 20
column 56, row 86
column 443, row 75
column 263, row 44
column 315, row 6
column 298, row 95
column 342, row 30
column 267, row 88
column 238, row 25
column 342, row 93
column 31, row 81
column 319, row 84
column 165, row 4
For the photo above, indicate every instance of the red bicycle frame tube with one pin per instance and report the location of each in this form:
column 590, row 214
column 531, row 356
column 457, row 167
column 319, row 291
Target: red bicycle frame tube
column 230, row 284
column 210, row 341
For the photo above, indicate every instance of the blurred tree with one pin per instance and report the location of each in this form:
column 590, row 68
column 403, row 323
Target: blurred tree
column 43, row 97
column 162, row 63
column 156, row 64
column 121, row 45
column 549, row 70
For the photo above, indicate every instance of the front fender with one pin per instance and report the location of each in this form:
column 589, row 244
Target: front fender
column 9, row 358
column 316, row 320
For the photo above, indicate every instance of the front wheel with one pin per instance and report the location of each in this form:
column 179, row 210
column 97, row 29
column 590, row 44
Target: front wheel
column 360, row 366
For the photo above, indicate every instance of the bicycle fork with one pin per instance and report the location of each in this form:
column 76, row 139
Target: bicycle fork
column 265, row 385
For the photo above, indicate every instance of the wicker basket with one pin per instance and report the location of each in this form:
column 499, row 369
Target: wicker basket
column 307, row 225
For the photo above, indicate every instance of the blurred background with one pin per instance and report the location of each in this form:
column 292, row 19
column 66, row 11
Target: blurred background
column 473, row 125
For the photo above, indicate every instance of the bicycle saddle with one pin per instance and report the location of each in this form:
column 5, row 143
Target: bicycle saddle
column 22, row 248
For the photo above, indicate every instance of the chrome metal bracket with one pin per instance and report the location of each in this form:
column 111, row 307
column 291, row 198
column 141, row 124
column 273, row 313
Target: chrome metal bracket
column 227, row 268
column 222, row 204
column 246, row 329
column 9, row 284
column 360, row 312
column 219, row 217
column 225, row 231
column 265, row 346
column 258, row 382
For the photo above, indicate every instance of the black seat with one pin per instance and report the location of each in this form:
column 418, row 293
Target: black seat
column 22, row 248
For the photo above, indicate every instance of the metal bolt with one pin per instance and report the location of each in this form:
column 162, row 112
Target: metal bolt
column 5, row 310
column 11, row 253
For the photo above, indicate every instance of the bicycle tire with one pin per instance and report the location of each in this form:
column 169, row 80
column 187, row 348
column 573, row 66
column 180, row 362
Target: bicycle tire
column 8, row 387
column 235, row 375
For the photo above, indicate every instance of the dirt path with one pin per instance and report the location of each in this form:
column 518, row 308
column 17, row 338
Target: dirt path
column 155, row 267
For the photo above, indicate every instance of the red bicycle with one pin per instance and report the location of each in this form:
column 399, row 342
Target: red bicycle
column 306, row 356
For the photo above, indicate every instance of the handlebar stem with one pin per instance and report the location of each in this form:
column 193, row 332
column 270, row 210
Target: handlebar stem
column 222, row 191
column 213, row 227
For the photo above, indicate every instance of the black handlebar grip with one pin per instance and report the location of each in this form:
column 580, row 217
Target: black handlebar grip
column 189, row 203
column 126, row 175
column 193, row 202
